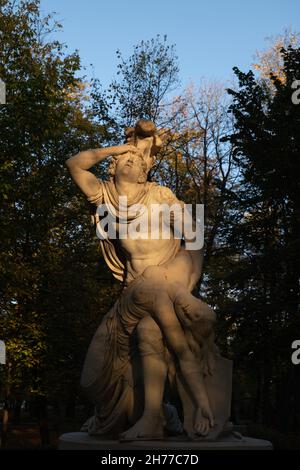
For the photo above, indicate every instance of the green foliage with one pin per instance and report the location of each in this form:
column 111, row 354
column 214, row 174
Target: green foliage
column 51, row 302
column 264, row 239
column 54, row 290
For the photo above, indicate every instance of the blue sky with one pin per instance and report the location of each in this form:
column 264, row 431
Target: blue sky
column 210, row 36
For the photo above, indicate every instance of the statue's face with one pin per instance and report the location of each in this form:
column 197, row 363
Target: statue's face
column 145, row 145
column 129, row 167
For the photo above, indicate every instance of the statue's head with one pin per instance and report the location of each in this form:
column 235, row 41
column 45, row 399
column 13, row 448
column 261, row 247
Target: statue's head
column 134, row 167
column 147, row 138
column 131, row 167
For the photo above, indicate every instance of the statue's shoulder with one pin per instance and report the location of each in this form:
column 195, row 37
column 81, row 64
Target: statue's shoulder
column 163, row 194
column 97, row 198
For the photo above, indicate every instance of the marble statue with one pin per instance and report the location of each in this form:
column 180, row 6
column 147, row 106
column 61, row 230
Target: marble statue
column 157, row 341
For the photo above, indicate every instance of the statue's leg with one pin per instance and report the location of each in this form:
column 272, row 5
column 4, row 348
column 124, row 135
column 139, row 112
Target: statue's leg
column 152, row 353
column 164, row 313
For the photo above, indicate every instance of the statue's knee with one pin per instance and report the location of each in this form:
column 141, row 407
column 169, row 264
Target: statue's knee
column 148, row 329
column 150, row 339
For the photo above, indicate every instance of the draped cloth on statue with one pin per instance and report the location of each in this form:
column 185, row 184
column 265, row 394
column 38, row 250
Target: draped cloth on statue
column 124, row 214
column 112, row 370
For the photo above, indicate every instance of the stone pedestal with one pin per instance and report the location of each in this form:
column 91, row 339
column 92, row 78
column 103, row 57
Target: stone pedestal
column 82, row 441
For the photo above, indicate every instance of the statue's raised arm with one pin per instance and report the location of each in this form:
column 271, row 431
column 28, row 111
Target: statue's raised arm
column 79, row 165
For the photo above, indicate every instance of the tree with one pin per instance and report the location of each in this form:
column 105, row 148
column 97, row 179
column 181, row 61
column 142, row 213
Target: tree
column 270, row 61
column 145, row 79
column 199, row 121
column 50, row 300
column 264, row 240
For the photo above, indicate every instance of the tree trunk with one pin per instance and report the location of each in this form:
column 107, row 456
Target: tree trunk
column 42, row 416
column 70, row 408
column 5, row 419
column 17, row 411
column 259, row 395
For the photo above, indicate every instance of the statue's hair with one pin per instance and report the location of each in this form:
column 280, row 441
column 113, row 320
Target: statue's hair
column 143, row 176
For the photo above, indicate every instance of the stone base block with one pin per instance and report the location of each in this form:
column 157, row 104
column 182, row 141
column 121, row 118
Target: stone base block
column 82, row 441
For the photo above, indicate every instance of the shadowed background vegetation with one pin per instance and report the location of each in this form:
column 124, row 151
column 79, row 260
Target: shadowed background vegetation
column 236, row 151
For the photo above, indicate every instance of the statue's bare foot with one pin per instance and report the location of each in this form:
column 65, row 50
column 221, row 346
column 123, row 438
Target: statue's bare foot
column 203, row 421
column 147, row 427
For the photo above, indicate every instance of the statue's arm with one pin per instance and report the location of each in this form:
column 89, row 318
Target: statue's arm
column 190, row 230
column 83, row 161
column 192, row 236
